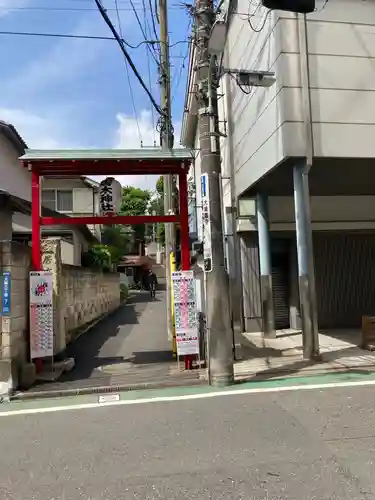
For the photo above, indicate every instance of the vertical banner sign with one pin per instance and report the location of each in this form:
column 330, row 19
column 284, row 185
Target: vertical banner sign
column 110, row 196
column 185, row 313
column 5, row 293
column 206, row 221
column 41, row 314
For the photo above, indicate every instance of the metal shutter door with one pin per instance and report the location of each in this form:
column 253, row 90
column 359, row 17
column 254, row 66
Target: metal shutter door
column 280, row 291
column 345, row 278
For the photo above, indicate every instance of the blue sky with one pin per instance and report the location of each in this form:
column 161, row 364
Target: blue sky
column 66, row 93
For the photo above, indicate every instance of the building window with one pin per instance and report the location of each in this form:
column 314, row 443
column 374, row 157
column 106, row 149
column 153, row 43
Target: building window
column 64, row 200
column 60, row 200
column 49, row 198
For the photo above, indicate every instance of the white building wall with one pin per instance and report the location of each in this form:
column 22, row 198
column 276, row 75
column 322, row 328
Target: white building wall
column 85, row 200
column 267, row 125
column 14, row 178
column 327, row 213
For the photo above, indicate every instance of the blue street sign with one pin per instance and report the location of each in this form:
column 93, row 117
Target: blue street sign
column 204, row 180
column 5, row 293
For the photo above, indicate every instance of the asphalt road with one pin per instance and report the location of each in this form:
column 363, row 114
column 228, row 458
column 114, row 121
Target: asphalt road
column 315, row 444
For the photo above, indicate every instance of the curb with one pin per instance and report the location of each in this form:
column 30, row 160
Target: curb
column 307, row 372
column 27, row 396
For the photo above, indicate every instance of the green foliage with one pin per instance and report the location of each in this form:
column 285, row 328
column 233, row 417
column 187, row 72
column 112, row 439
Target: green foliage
column 98, row 257
column 124, row 292
column 160, row 186
column 117, row 240
column 135, row 201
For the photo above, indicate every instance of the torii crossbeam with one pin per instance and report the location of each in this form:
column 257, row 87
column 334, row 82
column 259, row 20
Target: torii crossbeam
column 109, row 162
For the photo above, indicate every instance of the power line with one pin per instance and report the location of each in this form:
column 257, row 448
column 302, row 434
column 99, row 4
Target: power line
column 182, row 66
column 152, row 18
column 128, row 77
column 143, row 31
column 126, row 54
column 87, row 37
column 72, row 9
column 79, row 37
column 149, row 71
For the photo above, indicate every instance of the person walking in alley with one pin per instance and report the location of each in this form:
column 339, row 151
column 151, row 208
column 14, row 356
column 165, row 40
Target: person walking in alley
column 152, row 282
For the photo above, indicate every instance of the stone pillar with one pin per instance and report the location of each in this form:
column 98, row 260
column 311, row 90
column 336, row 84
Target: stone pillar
column 51, row 261
column 14, row 323
column 265, row 267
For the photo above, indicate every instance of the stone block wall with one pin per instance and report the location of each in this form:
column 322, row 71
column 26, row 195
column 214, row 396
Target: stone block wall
column 85, row 295
column 81, row 295
column 14, row 327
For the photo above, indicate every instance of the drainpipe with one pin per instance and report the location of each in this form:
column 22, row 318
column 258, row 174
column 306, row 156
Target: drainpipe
column 302, row 206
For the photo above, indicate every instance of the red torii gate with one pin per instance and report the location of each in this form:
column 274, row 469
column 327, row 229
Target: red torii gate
column 111, row 162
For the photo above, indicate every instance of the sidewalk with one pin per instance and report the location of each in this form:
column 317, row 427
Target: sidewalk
column 270, row 358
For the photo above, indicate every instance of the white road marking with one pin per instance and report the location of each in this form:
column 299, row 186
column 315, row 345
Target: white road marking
column 166, row 399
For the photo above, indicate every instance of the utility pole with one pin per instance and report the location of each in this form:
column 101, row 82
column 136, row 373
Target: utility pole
column 166, row 136
column 220, row 338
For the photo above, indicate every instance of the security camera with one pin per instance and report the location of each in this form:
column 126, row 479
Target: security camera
column 255, row 78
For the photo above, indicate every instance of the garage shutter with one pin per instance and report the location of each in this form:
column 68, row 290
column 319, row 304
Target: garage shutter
column 280, row 291
column 345, row 278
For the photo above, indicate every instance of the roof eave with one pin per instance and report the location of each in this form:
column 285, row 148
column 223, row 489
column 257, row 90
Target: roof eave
column 10, row 132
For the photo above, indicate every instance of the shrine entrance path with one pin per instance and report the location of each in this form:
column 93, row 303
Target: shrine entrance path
column 129, row 348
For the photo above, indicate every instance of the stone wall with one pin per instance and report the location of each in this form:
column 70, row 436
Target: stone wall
column 15, row 258
column 80, row 296
column 85, row 296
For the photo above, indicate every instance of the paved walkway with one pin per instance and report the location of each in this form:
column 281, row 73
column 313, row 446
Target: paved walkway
column 270, row 358
column 128, row 348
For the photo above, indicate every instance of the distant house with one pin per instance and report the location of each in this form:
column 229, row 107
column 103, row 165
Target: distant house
column 71, row 197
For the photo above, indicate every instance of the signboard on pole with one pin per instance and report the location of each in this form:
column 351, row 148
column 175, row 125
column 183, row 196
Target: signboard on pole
column 110, row 196
column 41, row 314
column 185, row 313
column 206, row 221
column 5, row 293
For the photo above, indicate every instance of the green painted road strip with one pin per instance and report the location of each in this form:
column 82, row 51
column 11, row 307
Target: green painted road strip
column 181, row 393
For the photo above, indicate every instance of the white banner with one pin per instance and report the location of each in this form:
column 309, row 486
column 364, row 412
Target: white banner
column 206, row 223
column 185, row 311
column 41, row 314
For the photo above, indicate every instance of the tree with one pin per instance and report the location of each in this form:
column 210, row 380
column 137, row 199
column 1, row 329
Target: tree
column 135, row 201
column 117, row 239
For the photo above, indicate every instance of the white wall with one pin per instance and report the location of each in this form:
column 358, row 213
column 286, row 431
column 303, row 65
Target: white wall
column 327, row 213
column 85, row 201
column 13, row 177
column 267, row 125
column 256, row 120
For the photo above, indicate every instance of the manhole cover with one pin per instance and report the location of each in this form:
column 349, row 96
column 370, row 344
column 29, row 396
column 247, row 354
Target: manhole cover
column 117, row 368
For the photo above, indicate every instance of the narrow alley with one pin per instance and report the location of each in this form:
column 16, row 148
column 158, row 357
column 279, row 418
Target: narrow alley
column 128, row 349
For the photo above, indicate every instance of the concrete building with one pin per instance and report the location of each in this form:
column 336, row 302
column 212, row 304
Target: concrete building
column 72, row 197
column 321, row 106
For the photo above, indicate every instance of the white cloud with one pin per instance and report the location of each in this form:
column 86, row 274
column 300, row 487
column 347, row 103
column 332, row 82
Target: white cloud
column 49, row 132
column 38, row 132
column 129, row 134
